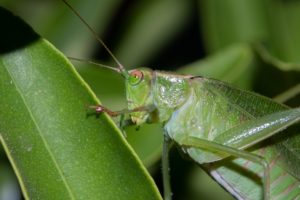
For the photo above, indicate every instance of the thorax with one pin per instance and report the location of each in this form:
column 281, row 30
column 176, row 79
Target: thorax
column 169, row 92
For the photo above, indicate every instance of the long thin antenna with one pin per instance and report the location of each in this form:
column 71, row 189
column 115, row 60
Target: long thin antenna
column 95, row 63
column 121, row 67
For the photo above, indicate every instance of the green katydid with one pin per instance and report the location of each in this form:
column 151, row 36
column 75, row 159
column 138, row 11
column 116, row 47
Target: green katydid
column 207, row 118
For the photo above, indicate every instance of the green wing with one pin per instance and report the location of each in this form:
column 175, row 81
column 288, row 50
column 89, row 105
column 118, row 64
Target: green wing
column 282, row 151
column 209, row 114
column 215, row 108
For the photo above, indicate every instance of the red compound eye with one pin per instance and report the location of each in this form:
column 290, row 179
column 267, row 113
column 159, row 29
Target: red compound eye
column 136, row 76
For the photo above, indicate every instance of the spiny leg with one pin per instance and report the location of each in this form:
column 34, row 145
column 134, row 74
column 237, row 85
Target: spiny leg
column 101, row 109
column 165, row 168
column 213, row 146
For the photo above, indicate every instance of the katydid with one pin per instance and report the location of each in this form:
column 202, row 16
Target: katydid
column 207, row 118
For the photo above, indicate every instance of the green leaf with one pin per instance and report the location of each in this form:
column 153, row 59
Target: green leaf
column 54, row 21
column 283, row 32
column 269, row 58
column 61, row 23
column 57, row 149
column 234, row 64
column 274, row 23
column 232, row 21
column 153, row 25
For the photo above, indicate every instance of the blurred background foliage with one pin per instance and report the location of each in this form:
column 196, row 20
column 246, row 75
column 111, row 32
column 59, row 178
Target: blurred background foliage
column 253, row 44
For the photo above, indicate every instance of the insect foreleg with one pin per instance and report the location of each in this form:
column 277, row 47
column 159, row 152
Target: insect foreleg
column 166, row 168
column 219, row 148
column 101, row 109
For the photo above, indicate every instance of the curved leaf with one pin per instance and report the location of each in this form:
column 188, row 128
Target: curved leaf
column 57, row 150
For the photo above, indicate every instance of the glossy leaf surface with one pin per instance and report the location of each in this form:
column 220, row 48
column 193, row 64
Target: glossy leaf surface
column 57, row 149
